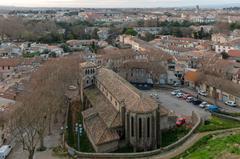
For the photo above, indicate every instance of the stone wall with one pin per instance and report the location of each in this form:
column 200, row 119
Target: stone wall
column 197, row 121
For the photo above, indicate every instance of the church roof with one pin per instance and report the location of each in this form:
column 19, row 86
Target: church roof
column 87, row 64
column 123, row 91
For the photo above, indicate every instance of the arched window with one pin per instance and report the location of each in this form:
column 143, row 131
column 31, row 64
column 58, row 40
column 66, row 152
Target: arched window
column 148, row 127
column 85, row 72
column 132, row 126
column 140, row 127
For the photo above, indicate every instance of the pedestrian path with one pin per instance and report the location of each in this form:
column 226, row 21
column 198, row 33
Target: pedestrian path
column 188, row 144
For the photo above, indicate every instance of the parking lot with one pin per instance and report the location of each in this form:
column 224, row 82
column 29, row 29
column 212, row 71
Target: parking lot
column 177, row 105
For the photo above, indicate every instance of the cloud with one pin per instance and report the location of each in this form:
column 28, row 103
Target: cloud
column 111, row 3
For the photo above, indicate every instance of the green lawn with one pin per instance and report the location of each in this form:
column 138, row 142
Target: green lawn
column 85, row 145
column 214, row 147
column 216, row 123
column 173, row 135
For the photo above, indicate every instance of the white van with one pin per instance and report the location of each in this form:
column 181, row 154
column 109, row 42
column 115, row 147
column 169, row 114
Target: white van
column 4, row 151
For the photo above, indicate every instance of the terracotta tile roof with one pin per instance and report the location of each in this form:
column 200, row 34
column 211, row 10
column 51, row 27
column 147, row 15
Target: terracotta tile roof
column 115, row 53
column 191, row 76
column 222, row 84
column 135, row 101
column 234, row 53
column 98, row 131
column 103, row 107
column 9, row 62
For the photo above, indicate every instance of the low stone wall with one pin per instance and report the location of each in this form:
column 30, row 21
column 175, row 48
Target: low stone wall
column 225, row 116
column 73, row 152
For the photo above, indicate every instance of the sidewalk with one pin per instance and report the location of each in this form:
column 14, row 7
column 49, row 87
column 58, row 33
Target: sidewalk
column 50, row 142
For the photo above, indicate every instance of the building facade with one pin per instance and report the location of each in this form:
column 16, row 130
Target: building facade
column 116, row 114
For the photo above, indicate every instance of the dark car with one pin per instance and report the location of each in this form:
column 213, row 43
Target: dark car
column 196, row 101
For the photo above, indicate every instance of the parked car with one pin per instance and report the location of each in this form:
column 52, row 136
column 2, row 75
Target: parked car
column 203, row 104
column 202, row 93
column 180, row 121
column 4, row 151
column 179, row 95
column 176, row 85
column 189, row 99
column 186, row 95
column 196, row 101
column 213, row 108
column 231, row 103
column 175, row 92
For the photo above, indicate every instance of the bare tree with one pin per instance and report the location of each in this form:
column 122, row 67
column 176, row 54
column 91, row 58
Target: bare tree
column 23, row 126
column 39, row 106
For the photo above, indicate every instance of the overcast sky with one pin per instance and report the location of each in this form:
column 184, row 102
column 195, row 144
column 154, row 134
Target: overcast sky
column 112, row 3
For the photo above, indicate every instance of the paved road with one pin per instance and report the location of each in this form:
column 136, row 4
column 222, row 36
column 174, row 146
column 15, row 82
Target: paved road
column 179, row 106
column 211, row 100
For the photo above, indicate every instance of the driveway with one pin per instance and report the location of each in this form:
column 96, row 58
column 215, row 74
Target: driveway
column 179, row 106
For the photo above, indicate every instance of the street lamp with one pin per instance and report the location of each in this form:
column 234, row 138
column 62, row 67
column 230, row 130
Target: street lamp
column 79, row 131
column 63, row 133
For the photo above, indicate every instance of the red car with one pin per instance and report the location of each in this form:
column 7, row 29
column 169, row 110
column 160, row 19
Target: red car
column 185, row 96
column 180, row 121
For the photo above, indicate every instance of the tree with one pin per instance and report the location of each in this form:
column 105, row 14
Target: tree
column 221, row 27
column 94, row 34
column 23, row 124
column 38, row 107
column 147, row 37
column 131, row 31
column 65, row 48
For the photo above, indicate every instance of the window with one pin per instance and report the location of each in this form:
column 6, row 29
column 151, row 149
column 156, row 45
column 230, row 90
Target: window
column 3, row 67
column 140, row 127
column 87, row 81
column 132, row 126
column 9, row 67
column 85, row 72
column 148, row 127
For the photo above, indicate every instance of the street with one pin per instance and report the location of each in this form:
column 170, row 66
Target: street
column 211, row 100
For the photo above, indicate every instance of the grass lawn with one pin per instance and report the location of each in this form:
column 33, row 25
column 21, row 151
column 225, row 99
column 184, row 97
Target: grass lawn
column 172, row 136
column 85, row 144
column 214, row 147
column 216, row 123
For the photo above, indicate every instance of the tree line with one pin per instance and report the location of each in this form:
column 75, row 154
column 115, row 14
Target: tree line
column 41, row 105
column 47, row 31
